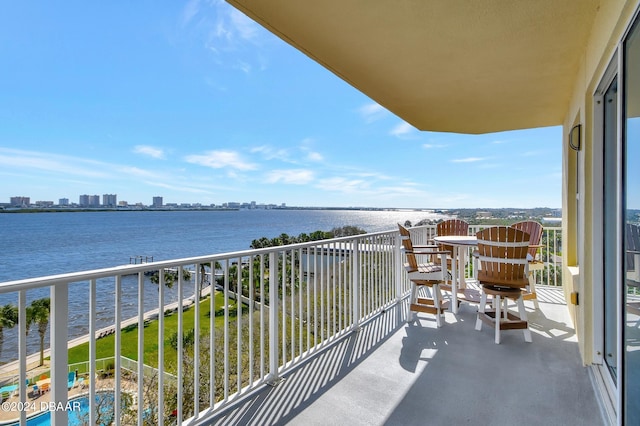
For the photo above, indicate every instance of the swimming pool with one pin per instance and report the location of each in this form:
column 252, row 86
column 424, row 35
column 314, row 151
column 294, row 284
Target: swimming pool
column 80, row 411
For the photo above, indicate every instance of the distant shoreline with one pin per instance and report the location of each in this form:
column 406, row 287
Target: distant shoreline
column 189, row 209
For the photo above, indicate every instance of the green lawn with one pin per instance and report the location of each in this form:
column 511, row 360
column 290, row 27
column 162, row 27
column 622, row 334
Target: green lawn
column 105, row 347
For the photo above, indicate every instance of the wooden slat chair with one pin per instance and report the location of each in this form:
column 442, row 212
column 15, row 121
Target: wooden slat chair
column 534, row 229
column 502, row 252
column 428, row 275
column 450, row 227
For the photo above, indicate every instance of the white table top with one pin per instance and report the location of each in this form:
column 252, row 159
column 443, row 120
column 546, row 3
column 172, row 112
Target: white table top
column 462, row 240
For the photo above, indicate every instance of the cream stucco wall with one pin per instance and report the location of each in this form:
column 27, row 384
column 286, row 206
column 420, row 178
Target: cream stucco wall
column 582, row 217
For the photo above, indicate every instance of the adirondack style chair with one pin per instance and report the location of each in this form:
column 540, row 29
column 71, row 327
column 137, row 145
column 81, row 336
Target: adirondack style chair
column 502, row 252
column 450, row 227
column 429, row 276
column 534, row 229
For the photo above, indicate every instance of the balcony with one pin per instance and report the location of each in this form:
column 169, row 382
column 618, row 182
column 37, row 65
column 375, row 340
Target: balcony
column 312, row 333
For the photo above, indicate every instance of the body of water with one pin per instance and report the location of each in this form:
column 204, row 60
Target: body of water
column 41, row 244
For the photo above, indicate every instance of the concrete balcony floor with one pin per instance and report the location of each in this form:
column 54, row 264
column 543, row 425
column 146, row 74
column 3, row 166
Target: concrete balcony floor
column 392, row 372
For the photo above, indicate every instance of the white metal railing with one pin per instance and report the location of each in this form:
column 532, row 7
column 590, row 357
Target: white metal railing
column 274, row 308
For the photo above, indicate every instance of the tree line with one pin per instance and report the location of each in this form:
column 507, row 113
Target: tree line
column 285, row 239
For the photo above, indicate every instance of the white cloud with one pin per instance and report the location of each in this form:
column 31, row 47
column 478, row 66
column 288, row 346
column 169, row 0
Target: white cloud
column 52, row 163
column 245, row 27
column 179, row 188
column 402, row 129
column 270, row 153
column 372, row 112
column 190, row 11
column 314, row 156
column 433, row 145
column 220, row 159
column 468, row 160
column 149, row 151
column 294, row 176
column 340, row 184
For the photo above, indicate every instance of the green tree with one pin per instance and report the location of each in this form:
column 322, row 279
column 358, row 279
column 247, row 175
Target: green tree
column 170, row 277
column 8, row 319
column 38, row 313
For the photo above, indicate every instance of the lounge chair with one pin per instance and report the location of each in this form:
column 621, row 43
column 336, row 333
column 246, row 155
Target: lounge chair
column 71, row 379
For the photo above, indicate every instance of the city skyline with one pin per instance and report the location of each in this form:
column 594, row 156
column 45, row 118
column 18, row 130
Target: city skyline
column 201, row 104
column 110, row 200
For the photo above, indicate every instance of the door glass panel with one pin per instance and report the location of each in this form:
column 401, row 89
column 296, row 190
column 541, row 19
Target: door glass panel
column 631, row 243
column 610, row 220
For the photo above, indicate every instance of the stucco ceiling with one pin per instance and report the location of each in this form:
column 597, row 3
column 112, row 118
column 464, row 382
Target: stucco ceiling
column 465, row 66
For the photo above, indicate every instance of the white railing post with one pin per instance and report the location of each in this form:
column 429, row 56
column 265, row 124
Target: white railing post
column 273, row 319
column 161, row 367
column 355, row 271
column 141, row 346
column 399, row 267
column 22, row 350
column 92, row 352
column 59, row 355
column 117, row 351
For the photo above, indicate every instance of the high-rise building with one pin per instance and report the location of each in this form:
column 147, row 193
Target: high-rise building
column 157, row 202
column 20, row 201
column 89, row 200
column 109, row 200
column 63, row 202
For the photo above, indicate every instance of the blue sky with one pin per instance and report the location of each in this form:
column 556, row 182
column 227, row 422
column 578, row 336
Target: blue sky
column 196, row 103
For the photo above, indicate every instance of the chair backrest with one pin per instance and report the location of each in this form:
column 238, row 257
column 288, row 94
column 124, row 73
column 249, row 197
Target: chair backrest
column 502, row 252
column 534, row 229
column 451, row 227
column 407, row 246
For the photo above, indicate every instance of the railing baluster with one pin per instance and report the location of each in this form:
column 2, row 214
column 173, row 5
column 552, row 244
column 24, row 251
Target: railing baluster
column 161, row 367
column 283, row 255
column 117, row 351
column 226, row 329
column 212, row 336
column 59, row 357
column 355, row 285
column 273, row 318
column 292, row 316
column 196, row 343
column 251, row 319
column 92, row 352
column 308, row 294
column 141, row 347
column 22, row 351
column 263, row 301
column 300, row 287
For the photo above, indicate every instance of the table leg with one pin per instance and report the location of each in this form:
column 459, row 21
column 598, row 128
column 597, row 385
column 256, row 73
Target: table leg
column 454, row 280
column 461, row 265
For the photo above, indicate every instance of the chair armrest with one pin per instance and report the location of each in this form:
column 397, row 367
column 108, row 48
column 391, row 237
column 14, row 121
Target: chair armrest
column 429, row 252
column 429, row 246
